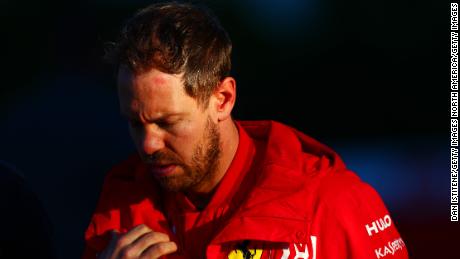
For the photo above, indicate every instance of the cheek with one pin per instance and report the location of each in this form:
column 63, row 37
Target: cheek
column 186, row 138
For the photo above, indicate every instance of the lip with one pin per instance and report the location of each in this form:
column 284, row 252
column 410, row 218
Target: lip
column 162, row 170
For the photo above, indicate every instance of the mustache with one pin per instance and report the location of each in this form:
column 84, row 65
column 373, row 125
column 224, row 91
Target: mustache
column 162, row 157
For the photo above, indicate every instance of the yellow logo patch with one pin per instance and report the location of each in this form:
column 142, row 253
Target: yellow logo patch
column 238, row 254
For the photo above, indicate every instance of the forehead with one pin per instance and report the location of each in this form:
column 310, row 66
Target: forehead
column 152, row 92
column 153, row 79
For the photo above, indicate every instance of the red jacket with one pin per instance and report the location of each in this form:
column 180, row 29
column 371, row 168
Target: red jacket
column 285, row 195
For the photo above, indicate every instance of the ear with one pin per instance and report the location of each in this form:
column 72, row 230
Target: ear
column 223, row 99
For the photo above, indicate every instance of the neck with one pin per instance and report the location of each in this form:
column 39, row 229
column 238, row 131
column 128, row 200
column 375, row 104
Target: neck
column 201, row 196
column 200, row 200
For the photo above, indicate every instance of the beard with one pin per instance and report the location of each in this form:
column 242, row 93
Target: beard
column 203, row 167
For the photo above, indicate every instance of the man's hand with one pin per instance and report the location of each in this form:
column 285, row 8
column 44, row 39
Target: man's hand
column 140, row 242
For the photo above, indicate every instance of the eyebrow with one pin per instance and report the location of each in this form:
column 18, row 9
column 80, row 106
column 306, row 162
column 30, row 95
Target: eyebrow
column 162, row 117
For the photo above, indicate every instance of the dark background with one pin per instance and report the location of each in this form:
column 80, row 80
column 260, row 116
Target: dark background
column 368, row 78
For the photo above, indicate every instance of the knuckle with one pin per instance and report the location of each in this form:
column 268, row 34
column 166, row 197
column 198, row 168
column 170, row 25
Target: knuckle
column 154, row 238
column 127, row 252
column 143, row 227
column 147, row 237
column 159, row 236
column 121, row 242
column 153, row 252
column 162, row 248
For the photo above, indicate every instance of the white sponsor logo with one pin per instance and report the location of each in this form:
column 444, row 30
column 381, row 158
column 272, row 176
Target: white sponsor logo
column 454, row 212
column 301, row 250
column 390, row 249
column 378, row 225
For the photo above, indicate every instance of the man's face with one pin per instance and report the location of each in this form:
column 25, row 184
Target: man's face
column 173, row 135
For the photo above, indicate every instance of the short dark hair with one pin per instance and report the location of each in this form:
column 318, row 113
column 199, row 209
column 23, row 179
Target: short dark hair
column 176, row 38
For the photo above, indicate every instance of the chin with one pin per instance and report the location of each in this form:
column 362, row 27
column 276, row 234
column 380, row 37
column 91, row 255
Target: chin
column 174, row 183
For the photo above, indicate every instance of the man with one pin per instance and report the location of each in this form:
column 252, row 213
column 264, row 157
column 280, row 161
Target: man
column 205, row 186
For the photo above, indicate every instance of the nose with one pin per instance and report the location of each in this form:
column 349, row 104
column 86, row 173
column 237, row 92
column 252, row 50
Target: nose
column 152, row 140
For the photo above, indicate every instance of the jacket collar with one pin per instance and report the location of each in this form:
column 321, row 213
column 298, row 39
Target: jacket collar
column 276, row 207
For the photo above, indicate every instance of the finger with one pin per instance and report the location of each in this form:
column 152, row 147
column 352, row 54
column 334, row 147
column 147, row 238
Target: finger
column 130, row 236
column 133, row 234
column 158, row 250
column 147, row 240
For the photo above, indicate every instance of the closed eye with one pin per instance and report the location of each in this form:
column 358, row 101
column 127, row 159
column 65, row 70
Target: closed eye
column 166, row 123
